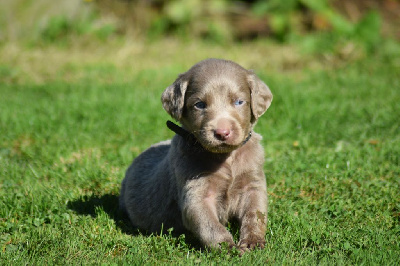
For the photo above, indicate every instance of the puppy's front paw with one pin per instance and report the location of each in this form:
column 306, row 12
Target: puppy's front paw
column 218, row 241
column 250, row 243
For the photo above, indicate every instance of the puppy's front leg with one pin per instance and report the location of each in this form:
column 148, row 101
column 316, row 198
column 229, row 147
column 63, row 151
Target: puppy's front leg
column 253, row 217
column 200, row 215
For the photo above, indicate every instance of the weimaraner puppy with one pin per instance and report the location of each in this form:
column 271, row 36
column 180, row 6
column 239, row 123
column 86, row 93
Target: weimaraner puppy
column 212, row 169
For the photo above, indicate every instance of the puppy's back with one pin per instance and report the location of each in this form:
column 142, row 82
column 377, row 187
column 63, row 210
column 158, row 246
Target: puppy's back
column 147, row 192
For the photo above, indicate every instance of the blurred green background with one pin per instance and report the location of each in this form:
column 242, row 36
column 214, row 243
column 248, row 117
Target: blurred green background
column 292, row 34
column 214, row 20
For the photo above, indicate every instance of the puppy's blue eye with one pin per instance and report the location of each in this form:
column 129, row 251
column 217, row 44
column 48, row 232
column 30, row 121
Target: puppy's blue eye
column 239, row 102
column 200, row 105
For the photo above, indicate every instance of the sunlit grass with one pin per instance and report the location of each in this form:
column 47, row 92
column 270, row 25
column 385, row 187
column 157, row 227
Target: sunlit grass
column 73, row 118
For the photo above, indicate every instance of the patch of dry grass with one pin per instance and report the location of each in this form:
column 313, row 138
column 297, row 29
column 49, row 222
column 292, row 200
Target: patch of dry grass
column 46, row 63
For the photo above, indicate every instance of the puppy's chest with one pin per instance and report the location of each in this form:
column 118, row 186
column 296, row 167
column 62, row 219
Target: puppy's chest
column 235, row 176
column 238, row 164
column 226, row 188
column 230, row 180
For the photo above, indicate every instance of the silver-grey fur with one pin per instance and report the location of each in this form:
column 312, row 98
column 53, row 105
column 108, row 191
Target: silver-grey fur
column 198, row 186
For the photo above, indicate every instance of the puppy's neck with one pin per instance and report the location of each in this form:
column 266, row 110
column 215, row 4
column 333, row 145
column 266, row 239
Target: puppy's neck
column 181, row 131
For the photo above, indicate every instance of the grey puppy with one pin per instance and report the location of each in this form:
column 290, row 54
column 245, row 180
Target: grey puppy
column 212, row 169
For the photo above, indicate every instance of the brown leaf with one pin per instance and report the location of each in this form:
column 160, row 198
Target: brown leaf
column 373, row 141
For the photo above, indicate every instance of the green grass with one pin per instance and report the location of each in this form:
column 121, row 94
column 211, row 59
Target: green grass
column 331, row 136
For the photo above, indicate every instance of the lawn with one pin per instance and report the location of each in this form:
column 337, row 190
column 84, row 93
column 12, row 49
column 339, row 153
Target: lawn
column 73, row 118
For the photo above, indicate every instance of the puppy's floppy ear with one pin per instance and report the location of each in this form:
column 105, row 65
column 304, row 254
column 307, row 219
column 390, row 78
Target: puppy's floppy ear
column 173, row 97
column 261, row 96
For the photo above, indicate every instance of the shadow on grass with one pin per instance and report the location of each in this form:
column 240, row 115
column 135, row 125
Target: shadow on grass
column 87, row 205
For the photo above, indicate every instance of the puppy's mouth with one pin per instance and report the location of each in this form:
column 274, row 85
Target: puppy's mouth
column 222, row 148
column 220, row 142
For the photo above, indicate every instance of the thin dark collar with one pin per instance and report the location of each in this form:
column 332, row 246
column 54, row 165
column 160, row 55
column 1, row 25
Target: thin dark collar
column 190, row 137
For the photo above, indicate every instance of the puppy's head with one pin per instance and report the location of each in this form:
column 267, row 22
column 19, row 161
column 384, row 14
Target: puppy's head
column 219, row 102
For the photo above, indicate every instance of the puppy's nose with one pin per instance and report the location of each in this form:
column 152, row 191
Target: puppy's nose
column 222, row 133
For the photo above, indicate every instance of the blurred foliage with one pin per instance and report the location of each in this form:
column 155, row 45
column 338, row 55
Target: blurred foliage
column 298, row 16
column 60, row 28
column 193, row 18
column 364, row 35
column 290, row 21
column 316, row 25
column 52, row 21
